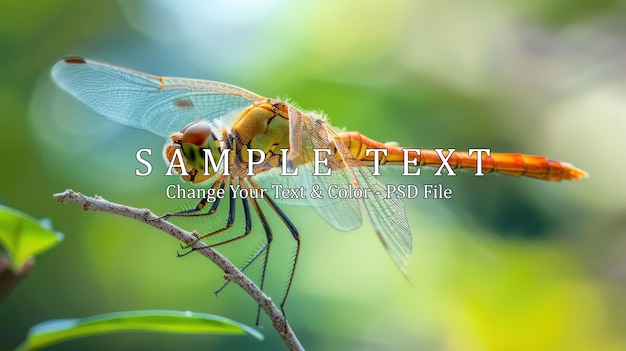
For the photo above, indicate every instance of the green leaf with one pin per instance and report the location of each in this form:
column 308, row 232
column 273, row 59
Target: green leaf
column 24, row 236
column 55, row 331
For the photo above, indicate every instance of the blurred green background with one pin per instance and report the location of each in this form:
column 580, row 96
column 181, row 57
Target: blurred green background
column 506, row 264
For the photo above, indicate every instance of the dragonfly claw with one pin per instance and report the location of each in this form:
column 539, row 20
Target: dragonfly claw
column 219, row 290
column 178, row 254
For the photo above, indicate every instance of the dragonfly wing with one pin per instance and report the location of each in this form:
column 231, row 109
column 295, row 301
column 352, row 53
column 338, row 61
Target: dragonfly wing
column 388, row 217
column 386, row 214
column 274, row 182
column 342, row 214
column 162, row 105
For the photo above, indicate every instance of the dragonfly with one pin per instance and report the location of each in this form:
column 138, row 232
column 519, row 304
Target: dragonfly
column 203, row 117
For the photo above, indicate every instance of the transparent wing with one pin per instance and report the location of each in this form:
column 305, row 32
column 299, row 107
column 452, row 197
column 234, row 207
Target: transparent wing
column 161, row 105
column 305, row 135
column 386, row 214
column 272, row 180
column 342, row 214
column 388, row 217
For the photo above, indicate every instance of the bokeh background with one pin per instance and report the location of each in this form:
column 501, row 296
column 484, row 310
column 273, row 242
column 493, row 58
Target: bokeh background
column 506, row 264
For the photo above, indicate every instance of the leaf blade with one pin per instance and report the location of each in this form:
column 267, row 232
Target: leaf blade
column 24, row 236
column 165, row 321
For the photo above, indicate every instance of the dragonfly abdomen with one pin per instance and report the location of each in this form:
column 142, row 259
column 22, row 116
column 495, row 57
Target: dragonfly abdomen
column 538, row 167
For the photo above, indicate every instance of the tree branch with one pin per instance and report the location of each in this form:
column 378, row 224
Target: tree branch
column 97, row 203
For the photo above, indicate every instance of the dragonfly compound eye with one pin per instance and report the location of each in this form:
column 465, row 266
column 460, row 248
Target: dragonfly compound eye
column 197, row 137
column 197, row 133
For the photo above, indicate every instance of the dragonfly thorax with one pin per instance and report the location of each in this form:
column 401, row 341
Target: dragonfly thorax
column 263, row 126
column 259, row 134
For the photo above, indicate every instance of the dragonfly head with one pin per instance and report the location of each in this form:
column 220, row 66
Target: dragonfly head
column 192, row 141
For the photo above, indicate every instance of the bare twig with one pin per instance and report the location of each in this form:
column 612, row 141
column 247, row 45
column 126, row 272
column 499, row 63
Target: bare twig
column 235, row 275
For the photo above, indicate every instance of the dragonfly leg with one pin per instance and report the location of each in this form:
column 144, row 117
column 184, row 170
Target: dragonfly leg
column 269, row 237
column 195, row 212
column 296, row 236
column 229, row 223
column 247, row 230
column 263, row 250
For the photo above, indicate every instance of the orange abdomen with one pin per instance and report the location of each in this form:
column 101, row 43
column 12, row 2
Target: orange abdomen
column 538, row 167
